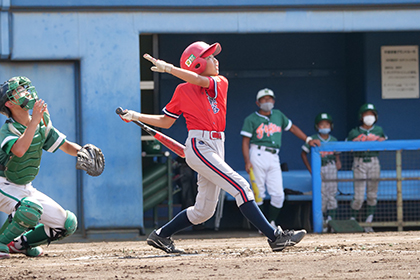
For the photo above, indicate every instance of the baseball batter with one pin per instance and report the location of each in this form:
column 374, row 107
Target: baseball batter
column 261, row 141
column 34, row 218
column 366, row 164
column 202, row 101
column 330, row 163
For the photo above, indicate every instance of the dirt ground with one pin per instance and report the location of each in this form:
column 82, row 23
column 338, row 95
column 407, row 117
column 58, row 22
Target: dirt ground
column 218, row 255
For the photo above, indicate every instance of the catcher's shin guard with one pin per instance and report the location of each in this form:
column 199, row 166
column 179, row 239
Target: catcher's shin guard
column 28, row 212
column 38, row 236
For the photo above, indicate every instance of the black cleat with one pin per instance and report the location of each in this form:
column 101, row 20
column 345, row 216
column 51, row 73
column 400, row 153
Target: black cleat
column 163, row 243
column 286, row 238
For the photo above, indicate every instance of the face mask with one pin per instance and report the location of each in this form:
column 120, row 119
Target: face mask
column 324, row 130
column 266, row 106
column 369, row 120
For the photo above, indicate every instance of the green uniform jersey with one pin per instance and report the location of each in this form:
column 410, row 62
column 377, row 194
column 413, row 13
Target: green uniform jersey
column 266, row 130
column 23, row 170
column 326, row 157
column 361, row 134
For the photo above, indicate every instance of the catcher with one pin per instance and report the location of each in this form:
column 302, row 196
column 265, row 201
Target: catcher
column 34, row 218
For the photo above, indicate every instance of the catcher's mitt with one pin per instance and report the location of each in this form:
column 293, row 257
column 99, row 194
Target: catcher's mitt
column 90, row 159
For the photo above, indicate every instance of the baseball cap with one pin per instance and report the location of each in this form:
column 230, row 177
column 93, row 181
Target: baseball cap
column 265, row 92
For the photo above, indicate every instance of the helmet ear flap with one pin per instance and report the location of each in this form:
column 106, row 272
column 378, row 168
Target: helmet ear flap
column 199, row 65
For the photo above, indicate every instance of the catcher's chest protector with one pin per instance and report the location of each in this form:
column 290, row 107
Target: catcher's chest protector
column 23, row 170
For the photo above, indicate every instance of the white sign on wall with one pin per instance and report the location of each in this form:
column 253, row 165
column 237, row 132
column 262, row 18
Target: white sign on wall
column 400, row 71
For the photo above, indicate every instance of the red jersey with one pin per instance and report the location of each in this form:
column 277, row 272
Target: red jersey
column 203, row 108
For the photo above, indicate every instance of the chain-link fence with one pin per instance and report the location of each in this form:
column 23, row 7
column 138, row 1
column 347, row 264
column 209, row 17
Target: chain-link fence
column 375, row 183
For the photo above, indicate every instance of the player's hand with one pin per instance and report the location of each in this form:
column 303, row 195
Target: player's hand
column 248, row 166
column 160, row 65
column 129, row 115
column 314, row 143
column 380, row 139
column 37, row 112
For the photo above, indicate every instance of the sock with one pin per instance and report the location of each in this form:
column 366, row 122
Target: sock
column 37, row 236
column 273, row 213
column 354, row 214
column 332, row 213
column 251, row 211
column 178, row 223
column 370, row 210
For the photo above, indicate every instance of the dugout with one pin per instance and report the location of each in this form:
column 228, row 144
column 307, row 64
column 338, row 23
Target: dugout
column 90, row 50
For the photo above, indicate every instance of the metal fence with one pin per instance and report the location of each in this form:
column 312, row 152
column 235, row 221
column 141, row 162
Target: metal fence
column 377, row 179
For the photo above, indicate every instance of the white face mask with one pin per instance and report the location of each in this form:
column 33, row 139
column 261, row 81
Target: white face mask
column 266, row 106
column 369, row 120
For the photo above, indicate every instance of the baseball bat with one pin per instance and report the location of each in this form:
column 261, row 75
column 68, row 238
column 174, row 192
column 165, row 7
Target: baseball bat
column 254, row 186
column 167, row 141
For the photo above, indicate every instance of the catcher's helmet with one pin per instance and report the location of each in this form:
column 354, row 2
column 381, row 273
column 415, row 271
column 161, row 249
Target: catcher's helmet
column 323, row 116
column 368, row 107
column 265, row 92
column 193, row 56
column 8, row 92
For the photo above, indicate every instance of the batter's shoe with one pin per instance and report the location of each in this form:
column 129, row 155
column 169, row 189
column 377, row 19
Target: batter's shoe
column 286, row 238
column 163, row 243
column 30, row 252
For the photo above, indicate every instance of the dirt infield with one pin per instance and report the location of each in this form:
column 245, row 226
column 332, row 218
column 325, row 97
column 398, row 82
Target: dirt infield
column 385, row 255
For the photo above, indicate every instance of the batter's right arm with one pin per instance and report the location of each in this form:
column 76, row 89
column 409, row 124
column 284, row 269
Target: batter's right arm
column 186, row 75
column 245, row 152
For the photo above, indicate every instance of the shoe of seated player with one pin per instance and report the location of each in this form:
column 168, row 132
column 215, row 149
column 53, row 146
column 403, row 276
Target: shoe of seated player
column 4, row 255
column 30, row 252
column 286, row 238
column 369, row 229
column 163, row 243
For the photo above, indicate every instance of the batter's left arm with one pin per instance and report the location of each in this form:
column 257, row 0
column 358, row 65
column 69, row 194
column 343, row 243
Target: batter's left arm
column 70, row 148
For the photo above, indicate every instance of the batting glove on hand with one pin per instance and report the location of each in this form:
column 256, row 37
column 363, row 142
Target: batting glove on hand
column 160, row 65
column 129, row 115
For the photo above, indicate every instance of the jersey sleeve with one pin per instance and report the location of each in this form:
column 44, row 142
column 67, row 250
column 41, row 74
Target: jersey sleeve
column 286, row 122
column 55, row 140
column 8, row 139
column 173, row 109
column 247, row 129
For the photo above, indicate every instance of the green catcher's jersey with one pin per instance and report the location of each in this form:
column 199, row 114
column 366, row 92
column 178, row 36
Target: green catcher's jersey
column 23, row 170
column 360, row 134
column 326, row 157
column 266, row 130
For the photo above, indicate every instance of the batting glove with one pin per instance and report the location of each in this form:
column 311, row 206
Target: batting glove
column 130, row 115
column 160, row 65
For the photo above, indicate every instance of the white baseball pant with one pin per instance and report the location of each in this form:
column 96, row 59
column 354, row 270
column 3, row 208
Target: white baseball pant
column 205, row 154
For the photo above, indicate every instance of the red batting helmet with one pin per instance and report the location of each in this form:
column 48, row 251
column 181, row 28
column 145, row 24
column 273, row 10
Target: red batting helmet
column 193, row 56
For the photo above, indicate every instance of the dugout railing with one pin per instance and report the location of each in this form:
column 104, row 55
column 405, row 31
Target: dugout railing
column 398, row 193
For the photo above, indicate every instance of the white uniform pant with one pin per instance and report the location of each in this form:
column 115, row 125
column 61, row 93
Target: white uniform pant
column 206, row 156
column 54, row 216
column 369, row 170
column 329, row 189
column 267, row 171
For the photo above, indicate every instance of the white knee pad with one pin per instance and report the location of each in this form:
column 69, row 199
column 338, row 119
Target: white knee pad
column 277, row 201
column 200, row 215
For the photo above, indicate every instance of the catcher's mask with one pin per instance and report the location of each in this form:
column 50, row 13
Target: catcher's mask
column 20, row 91
column 193, row 57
